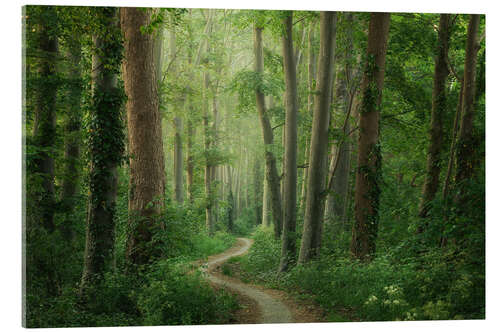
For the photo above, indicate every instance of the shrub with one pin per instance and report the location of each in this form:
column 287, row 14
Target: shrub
column 171, row 297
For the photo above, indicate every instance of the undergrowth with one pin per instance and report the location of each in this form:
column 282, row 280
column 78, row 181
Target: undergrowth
column 434, row 285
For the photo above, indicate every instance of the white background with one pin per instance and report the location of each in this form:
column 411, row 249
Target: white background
column 10, row 157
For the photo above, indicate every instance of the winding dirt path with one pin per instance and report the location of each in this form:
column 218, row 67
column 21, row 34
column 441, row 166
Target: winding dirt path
column 271, row 308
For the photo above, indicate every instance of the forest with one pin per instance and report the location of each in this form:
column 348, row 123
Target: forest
column 191, row 166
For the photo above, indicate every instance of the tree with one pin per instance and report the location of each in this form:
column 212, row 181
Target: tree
column 178, row 156
column 466, row 140
column 272, row 177
column 315, row 197
column 44, row 127
column 368, row 174
column 288, row 247
column 336, row 203
column 434, row 159
column 144, row 133
column 311, row 83
column 105, row 147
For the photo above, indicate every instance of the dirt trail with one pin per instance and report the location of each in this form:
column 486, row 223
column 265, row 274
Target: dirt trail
column 271, row 308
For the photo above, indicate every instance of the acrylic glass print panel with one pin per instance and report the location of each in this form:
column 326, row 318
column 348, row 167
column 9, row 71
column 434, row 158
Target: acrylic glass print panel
column 223, row 166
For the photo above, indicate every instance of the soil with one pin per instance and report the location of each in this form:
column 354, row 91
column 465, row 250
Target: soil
column 259, row 304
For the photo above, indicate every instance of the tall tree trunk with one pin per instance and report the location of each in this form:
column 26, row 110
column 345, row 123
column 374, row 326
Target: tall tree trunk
column 272, row 177
column 158, row 55
column 257, row 191
column 335, row 202
column 313, row 218
column 144, row 134
column 441, row 72
column 337, row 198
column 178, row 128
column 191, row 132
column 208, row 161
column 178, row 161
column 451, row 160
column 72, row 142
column 288, row 249
column 311, row 83
column 364, row 232
column 266, row 203
column 106, row 146
column 247, row 180
column 466, row 143
column 44, row 128
column 213, row 172
column 230, row 200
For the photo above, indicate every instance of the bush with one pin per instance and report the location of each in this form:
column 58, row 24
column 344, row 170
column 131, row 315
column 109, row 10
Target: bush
column 264, row 256
column 171, row 297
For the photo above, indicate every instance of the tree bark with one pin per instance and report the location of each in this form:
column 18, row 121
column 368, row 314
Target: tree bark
column 466, row 143
column 272, row 177
column 337, row 198
column 451, row 160
column 106, row 146
column 178, row 127
column 288, row 249
column 191, row 132
column 208, row 161
column 434, row 159
column 144, row 134
column 311, row 83
column 266, row 203
column 315, row 198
column 230, row 201
column 178, row 161
column 365, row 228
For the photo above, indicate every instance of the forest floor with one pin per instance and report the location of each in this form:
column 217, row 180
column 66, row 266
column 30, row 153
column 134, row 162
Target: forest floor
column 258, row 304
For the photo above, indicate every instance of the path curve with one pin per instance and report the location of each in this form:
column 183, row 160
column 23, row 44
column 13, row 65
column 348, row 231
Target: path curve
column 272, row 309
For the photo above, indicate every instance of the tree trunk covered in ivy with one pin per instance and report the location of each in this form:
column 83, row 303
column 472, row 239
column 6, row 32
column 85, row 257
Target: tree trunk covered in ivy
column 72, row 140
column 272, row 177
column 438, row 111
column 315, row 197
column 105, row 147
column 146, row 188
column 368, row 174
column 44, row 127
column 288, row 248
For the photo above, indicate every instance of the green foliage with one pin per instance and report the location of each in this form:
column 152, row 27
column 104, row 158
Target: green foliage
column 263, row 258
column 171, row 297
column 395, row 286
column 246, row 82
